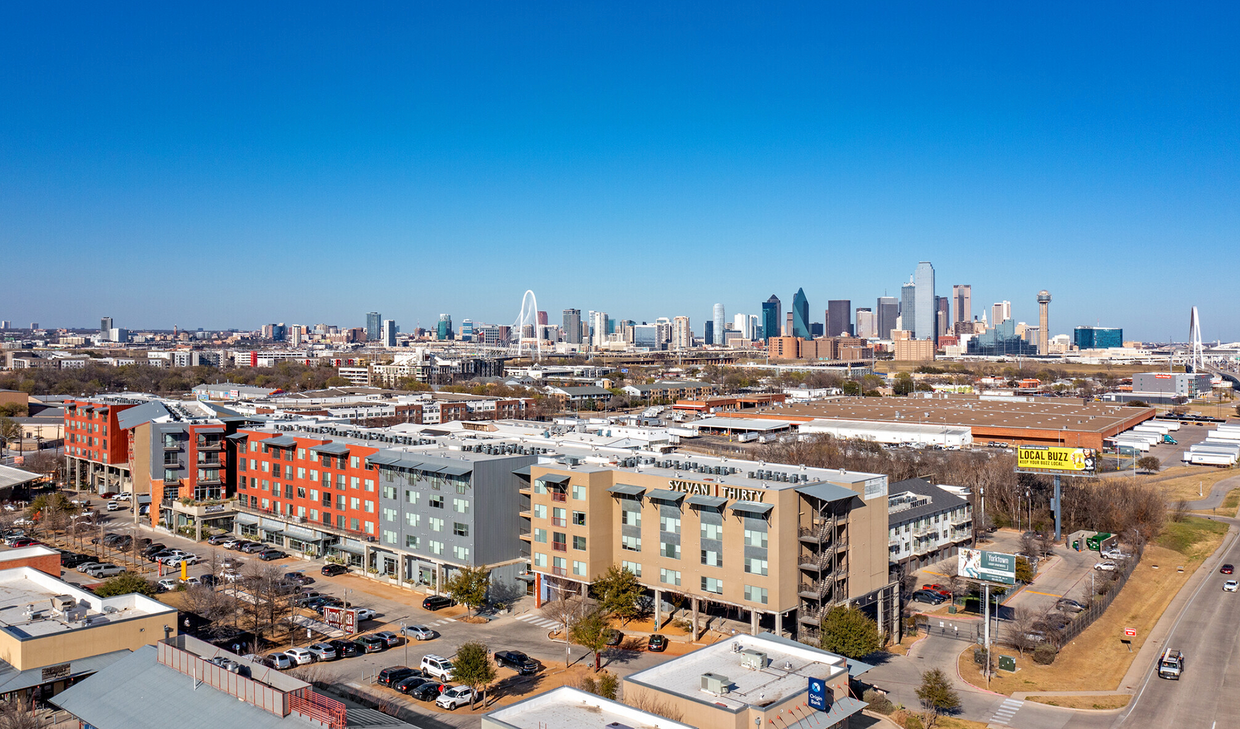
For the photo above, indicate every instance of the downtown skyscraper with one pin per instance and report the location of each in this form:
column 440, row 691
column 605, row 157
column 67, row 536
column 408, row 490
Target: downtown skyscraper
column 800, row 315
column 924, row 318
column 772, row 313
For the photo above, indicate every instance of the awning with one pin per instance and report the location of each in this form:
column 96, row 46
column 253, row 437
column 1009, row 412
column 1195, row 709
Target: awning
column 751, row 508
column 383, row 459
column 14, row 680
column 455, row 470
column 246, row 519
column 302, row 533
column 359, row 551
column 627, row 490
column 707, row 502
column 274, row 532
column 522, row 471
column 827, row 492
column 556, row 479
column 334, row 448
column 237, row 436
column 280, row 441
column 674, row 497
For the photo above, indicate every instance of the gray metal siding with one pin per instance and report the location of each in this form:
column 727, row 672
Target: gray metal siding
column 496, row 504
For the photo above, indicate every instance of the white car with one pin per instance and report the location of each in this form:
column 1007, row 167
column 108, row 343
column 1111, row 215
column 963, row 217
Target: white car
column 169, row 583
column 301, row 655
column 1229, row 586
column 1107, row 566
column 175, row 554
column 183, row 559
column 231, row 577
column 365, row 614
column 418, row 632
column 454, row 697
column 437, row 667
column 1114, row 554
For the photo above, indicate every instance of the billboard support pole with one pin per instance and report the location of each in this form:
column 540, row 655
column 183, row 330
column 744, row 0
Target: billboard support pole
column 1058, row 510
column 986, row 621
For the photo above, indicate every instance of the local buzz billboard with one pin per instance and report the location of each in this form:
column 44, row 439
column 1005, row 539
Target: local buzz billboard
column 1054, row 459
column 976, row 564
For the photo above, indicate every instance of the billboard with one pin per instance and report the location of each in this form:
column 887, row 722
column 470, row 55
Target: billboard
column 1054, row 459
column 976, row 564
column 338, row 617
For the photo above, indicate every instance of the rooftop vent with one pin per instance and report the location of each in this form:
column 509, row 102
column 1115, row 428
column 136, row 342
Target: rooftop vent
column 63, row 602
column 715, row 684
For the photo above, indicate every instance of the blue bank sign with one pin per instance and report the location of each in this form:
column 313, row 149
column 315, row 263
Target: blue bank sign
column 819, row 695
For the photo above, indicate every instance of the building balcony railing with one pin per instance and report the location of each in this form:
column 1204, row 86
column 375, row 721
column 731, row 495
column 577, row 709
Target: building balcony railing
column 559, row 546
column 559, row 521
column 209, row 445
column 559, row 571
column 815, row 562
column 815, row 590
column 172, row 446
column 559, row 496
column 814, row 534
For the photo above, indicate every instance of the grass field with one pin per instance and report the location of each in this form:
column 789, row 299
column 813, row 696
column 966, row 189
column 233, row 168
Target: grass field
column 1186, row 482
column 1102, row 702
column 1096, row 660
column 1231, row 502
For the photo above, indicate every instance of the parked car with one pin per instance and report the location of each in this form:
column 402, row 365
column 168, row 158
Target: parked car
column 1107, row 566
column 409, row 683
column 25, row 542
column 926, row 596
column 301, row 655
column 115, row 506
column 1114, row 554
column 231, row 577
column 322, row 651
column 437, row 602
column 183, row 559
column 372, row 644
column 85, row 567
column 279, row 661
column 298, row 578
column 308, row 600
column 657, row 643
column 219, row 539
column 232, row 563
column 1067, row 605
column 209, row 580
column 253, row 548
column 388, row 637
column 365, row 614
column 331, row 570
column 1227, row 569
column 346, row 648
column 523, row 664
column 168, row 584
column 454, row 697
column 106, row 570
column 271, row 555
column 615, row 637
column 232, row 543
column 1229, row 586
column 153, row 548
column 428, row 691
column 192, row 582
column 418, row 632
column 393, row 674
column 437, row 667
column 939, row 589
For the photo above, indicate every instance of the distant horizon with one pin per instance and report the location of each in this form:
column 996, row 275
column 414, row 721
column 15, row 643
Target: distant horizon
column 169, row 165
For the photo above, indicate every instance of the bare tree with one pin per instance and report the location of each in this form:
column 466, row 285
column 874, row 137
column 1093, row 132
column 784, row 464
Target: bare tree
column 1020, row 630
column 1046, row 543
column 651, row 702
column 564, row 611
column 15, row 714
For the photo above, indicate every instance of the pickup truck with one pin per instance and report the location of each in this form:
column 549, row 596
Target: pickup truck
column 1171, row 665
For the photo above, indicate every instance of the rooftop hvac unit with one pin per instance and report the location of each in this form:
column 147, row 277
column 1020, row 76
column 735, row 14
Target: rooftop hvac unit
column 753, row 660
column 715, row 684
column 63, row 602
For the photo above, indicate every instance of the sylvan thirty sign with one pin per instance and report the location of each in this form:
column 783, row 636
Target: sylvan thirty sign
column 697, row 488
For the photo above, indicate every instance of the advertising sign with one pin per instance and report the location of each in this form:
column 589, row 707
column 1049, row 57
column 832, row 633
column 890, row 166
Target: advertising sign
column 975, row 564
column 338, row 617
column 820, row 697
column 1053, row 459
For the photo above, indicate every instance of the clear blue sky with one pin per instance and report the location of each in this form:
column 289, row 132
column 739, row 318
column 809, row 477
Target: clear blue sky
column 229, row 165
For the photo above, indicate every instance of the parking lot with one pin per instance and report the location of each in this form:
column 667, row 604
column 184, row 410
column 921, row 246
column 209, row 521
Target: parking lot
column 522, row 629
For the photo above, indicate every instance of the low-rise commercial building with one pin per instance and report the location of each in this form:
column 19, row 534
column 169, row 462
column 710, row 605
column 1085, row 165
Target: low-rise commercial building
column 570, row 708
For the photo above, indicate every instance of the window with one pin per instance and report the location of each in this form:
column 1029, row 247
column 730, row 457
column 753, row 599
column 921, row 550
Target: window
column 459, row 529
column 171, row 476
column 710, row 584
column 370, row 484
column 340, row 481
column 579, row 492
column 711, row 558
column 314, row 495
column 755, row 538
column 301, row 473
column 540, row 487
column 266, row 466
column 314, row 475
column 461, row 553
column 540, row 560
column 389, row 492
column 353, row 524
column 712, row 531
column 669, row 524
column 669, row 577
column 559, row 541
column 558, row 565
column 314, row 515
column 253, row 449
column 558, row 517
column 755, row 594
column 579, row 543
column 354, row 482
column 579, row 568
column 460, row 506
column 370, row 506
column 412, row 519
column 352, row 462
column 355, row 504
column 436, row 523
column 631, row 518
column 755, row 566
column 411, row 542
column 389, row 514
column 301, row 454
column 540, row 511
column 370, row 527
column 540, row 536
column 579, row 518
column 301, row 492
column 634, row 567
column 241, row 463
column 667, row 549
column 288, row 490
column 462, row 487
column 339, row 501
column 436, row 547
column 389, row 537
column 437, row 502
column 411, row 497
column 632, row 544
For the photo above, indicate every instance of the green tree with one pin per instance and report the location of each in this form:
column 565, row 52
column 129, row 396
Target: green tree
column 619, row 593
column 903, row 385
column 591, row 632
column 469, row 586
column 1024, row 573
column 472, row 666
column 1149, row 464
column 125, row 584
column 10, row 433
column 936, row 693
column 850, row 632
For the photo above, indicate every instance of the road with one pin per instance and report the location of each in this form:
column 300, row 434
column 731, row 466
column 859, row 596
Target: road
column 1208, row 632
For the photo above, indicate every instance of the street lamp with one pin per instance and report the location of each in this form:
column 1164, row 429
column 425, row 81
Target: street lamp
column 406, row 637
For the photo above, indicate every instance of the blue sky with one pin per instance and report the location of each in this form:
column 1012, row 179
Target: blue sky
column 229, row 165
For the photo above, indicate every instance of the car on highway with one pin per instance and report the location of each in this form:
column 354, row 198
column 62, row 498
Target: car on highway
column 428, row 691
column 418, row 632
column 1107, row 566
column 1227, row 569
column 455, row 697
column 437, row 602
column 1229, row 586
column 926, row 596
column 331, row 570
column 322, row 651
column 388, row 637
column 394, row 674
column 657, row 643
column 409, row 683
column 517, row 660
column 271, row 555
column 346, row 648
column 301, row 655
column 372, row 644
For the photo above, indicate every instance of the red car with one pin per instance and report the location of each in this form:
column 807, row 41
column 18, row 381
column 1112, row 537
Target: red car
column 1227, row 569
column 25, row 542
column 939, row 589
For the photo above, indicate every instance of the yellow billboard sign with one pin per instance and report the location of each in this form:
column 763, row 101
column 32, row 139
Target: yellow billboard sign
column 1053, row 459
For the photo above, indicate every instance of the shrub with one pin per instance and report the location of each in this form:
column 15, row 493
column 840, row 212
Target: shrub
column 608, row 685
column 878, row 701
column 1044, row 655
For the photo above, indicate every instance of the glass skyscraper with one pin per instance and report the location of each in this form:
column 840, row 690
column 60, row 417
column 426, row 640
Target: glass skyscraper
column 800, row 315
column 925, row 319
column 771, row 314
column 374, row 326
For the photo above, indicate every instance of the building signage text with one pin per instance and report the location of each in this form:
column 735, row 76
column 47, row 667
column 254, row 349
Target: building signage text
column 697, row 488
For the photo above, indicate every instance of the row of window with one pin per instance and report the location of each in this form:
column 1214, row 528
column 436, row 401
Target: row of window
column 277, row 507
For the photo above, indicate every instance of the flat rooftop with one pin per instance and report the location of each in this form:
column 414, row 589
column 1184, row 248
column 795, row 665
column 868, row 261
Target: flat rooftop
column 570, row 708
column 1039, row 414
column 27, row 609
column 786, row 672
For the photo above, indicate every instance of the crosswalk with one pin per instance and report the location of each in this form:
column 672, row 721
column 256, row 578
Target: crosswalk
column 1006, row 711
column 533, row 619
column 445, row 621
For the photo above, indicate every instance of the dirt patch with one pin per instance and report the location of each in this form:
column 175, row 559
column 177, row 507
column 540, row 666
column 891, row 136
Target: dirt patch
column 474, row 620
column 1100, row 702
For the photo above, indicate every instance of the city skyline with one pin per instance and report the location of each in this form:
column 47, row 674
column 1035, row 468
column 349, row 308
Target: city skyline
column 586, row 152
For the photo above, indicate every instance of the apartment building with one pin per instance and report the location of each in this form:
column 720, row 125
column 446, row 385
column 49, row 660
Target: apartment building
column 781, row 543
column 671, row 391
column 96, row 448
column 926, row 523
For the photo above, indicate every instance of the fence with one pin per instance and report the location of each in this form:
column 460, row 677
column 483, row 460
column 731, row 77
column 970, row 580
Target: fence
column 1097, row 605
